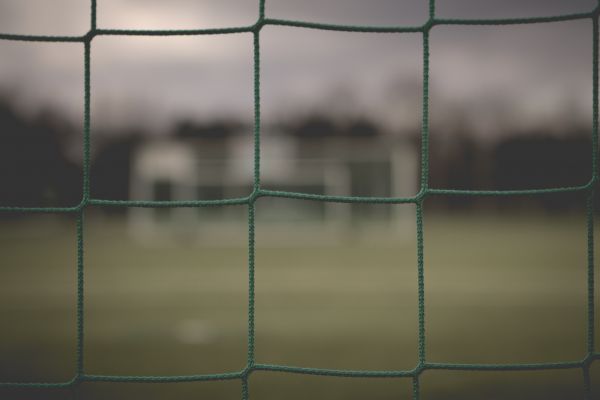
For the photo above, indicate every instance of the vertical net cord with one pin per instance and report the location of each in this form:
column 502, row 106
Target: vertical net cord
column 416, row 386
column 251, row 256
column 251, row 359
column 80, row 372
column 79, row 366
column 591, row 298
column 93, row 15
column 419, row 205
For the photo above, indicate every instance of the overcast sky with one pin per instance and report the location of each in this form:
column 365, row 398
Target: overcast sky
column 514, row 75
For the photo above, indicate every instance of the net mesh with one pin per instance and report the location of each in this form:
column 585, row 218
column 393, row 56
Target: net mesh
column 422, row 364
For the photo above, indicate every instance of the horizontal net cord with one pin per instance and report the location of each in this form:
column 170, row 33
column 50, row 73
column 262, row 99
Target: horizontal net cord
column 511, row 192
column 298, row 24
column 163, row 378
column 171, row 204
column 298, row 196
column 341, row 373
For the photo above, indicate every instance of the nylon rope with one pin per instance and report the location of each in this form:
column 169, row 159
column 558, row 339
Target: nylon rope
column 425, row 191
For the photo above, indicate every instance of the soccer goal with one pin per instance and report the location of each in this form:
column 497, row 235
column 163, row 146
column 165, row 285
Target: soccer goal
column 175, row 181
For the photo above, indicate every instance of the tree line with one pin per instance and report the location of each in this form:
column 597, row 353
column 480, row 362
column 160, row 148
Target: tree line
column 38, row 166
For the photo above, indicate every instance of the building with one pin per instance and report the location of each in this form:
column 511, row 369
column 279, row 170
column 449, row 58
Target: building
column 189, row 168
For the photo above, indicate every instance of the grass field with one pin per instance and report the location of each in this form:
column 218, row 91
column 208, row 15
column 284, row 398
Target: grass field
column 504, row 288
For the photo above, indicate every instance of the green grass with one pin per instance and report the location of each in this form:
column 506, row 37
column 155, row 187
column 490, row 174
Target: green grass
column 499, row 289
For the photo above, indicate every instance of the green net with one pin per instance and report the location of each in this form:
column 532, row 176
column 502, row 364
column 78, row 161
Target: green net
column 425, row 191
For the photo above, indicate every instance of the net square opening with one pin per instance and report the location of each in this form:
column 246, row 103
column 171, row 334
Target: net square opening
column 171, row 304
column 176, row 14
column 38, row 394
column 596, row 266
column 506, row 286
column 38, row 17
column 41, row 128
column 351, row 12
column 172, row 112
column 511, row 107
column 595, row 379
column 217, row 390
column 339, row 296
column 502, row 385
column 510, row 9
column 275, row 385
column 341, row 113
column 38, row 297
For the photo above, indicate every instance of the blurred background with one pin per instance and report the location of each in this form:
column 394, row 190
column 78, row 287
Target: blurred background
column 336, row 284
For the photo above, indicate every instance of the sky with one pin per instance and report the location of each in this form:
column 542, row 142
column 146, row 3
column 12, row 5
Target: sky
column 490, row 78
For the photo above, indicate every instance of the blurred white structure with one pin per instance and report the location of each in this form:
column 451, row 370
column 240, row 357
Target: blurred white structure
column 209, row 168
